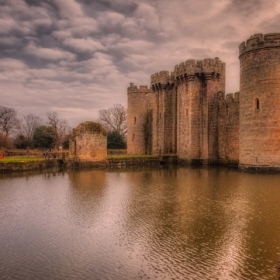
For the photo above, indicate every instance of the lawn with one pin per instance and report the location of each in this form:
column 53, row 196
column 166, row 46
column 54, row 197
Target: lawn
column 20, row 159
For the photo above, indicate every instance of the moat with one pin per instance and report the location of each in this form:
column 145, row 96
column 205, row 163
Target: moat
column 179, row 223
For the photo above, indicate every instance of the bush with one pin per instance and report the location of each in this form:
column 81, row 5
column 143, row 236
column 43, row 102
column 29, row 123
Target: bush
column 65, row 142
column 44, row 137
column 115, row 141
column 22, row 142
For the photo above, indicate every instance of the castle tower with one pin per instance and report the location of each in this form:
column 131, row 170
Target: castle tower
column 139, row 119
column 259, row 134
column 164, row 113
column 198, row 84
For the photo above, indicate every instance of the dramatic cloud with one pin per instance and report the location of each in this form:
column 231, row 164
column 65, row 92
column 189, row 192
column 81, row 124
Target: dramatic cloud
column 47, row 53
column 78, row 56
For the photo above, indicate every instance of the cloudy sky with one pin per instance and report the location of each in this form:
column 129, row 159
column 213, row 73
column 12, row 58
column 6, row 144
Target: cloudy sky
column 78, row 56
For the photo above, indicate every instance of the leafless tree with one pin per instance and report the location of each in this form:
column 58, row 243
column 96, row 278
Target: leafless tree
column 60, row 126
column 114, row 119
column 28, row 125
column 8, row 121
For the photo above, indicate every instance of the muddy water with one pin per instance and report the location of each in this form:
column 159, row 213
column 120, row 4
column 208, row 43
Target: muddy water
column 140, row 224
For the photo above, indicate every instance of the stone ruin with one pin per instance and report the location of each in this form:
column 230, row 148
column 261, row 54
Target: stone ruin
column 88, row 142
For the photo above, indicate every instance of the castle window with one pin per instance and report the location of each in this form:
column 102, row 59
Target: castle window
column 133, row 137
column 187, row 112
column 134, row 119
column 257, row 104
column 160, row 115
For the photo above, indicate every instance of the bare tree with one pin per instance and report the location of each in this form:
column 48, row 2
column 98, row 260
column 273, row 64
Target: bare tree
column 60, row 126
column 28, row 125
column 8, row 121
column 114, row 119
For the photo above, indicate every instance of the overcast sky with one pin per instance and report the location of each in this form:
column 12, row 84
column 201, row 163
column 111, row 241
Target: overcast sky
column 78, row 56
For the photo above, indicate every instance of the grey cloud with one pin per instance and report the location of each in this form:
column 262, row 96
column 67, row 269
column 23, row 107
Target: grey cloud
column 123, row 7
column 79, row 55
column 248, row 8
column 47, row 53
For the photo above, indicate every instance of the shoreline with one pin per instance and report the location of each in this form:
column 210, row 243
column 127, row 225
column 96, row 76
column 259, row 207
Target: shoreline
column 123, row 161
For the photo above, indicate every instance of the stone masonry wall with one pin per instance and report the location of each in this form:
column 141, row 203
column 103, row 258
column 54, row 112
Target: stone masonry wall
column 260, row 102
column 198, row 84
column 181, row 109
column 164, row 126
column 139, row 121
column 228, row 129
column 89, row 142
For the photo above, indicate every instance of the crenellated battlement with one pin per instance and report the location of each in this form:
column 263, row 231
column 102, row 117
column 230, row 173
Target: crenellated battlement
column 260, row 41
column 206, row 66
column 187, row 69
column 161, row 77
column 134, row 89
column 232, row 97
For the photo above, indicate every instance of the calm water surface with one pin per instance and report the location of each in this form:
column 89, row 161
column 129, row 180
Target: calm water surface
column 140, row 224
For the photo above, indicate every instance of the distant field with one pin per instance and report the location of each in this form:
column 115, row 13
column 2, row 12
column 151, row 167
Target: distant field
column 20, row 159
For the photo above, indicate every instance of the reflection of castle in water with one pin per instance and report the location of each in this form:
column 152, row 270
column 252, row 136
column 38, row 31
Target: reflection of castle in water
column 86, row 194
column 187, row 215
column 186, row 112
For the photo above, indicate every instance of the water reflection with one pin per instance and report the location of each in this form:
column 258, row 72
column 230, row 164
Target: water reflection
column 86, row 193
column 185, row 223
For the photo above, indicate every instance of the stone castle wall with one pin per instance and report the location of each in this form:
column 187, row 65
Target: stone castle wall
column 179, row 112
column 139, row 120
column 164, row 140
column 228, row 124
column 260, row 102
column 189, row 114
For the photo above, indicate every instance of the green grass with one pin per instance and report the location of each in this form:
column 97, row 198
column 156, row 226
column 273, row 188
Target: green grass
column 20, row 159
column 26, row 159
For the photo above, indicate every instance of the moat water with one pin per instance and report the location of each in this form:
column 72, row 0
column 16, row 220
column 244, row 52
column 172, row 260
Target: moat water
column 185, row 223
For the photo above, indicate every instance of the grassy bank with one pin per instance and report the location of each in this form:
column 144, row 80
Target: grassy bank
column 23, row 159
column 20, row 159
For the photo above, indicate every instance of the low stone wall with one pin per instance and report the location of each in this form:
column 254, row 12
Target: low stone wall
column 155, row 161
column 83, row 164
column 72, row 164
column 259, row 169
column 27, row 166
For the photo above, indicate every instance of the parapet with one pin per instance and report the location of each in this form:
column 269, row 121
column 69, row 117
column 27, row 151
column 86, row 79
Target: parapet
column 192, row 67
column 162, row 78
column 221, row 95
column 134, row 89
column 260, row 41
column 232, row 97
column 188, row 69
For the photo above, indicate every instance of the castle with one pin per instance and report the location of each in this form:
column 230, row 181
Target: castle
column 186, row 112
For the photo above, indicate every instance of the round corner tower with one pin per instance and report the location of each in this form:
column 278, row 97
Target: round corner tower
column 138, row 106
column 260, row 103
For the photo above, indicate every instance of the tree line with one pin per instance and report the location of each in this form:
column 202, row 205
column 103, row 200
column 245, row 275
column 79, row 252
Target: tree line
column 33, row 132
